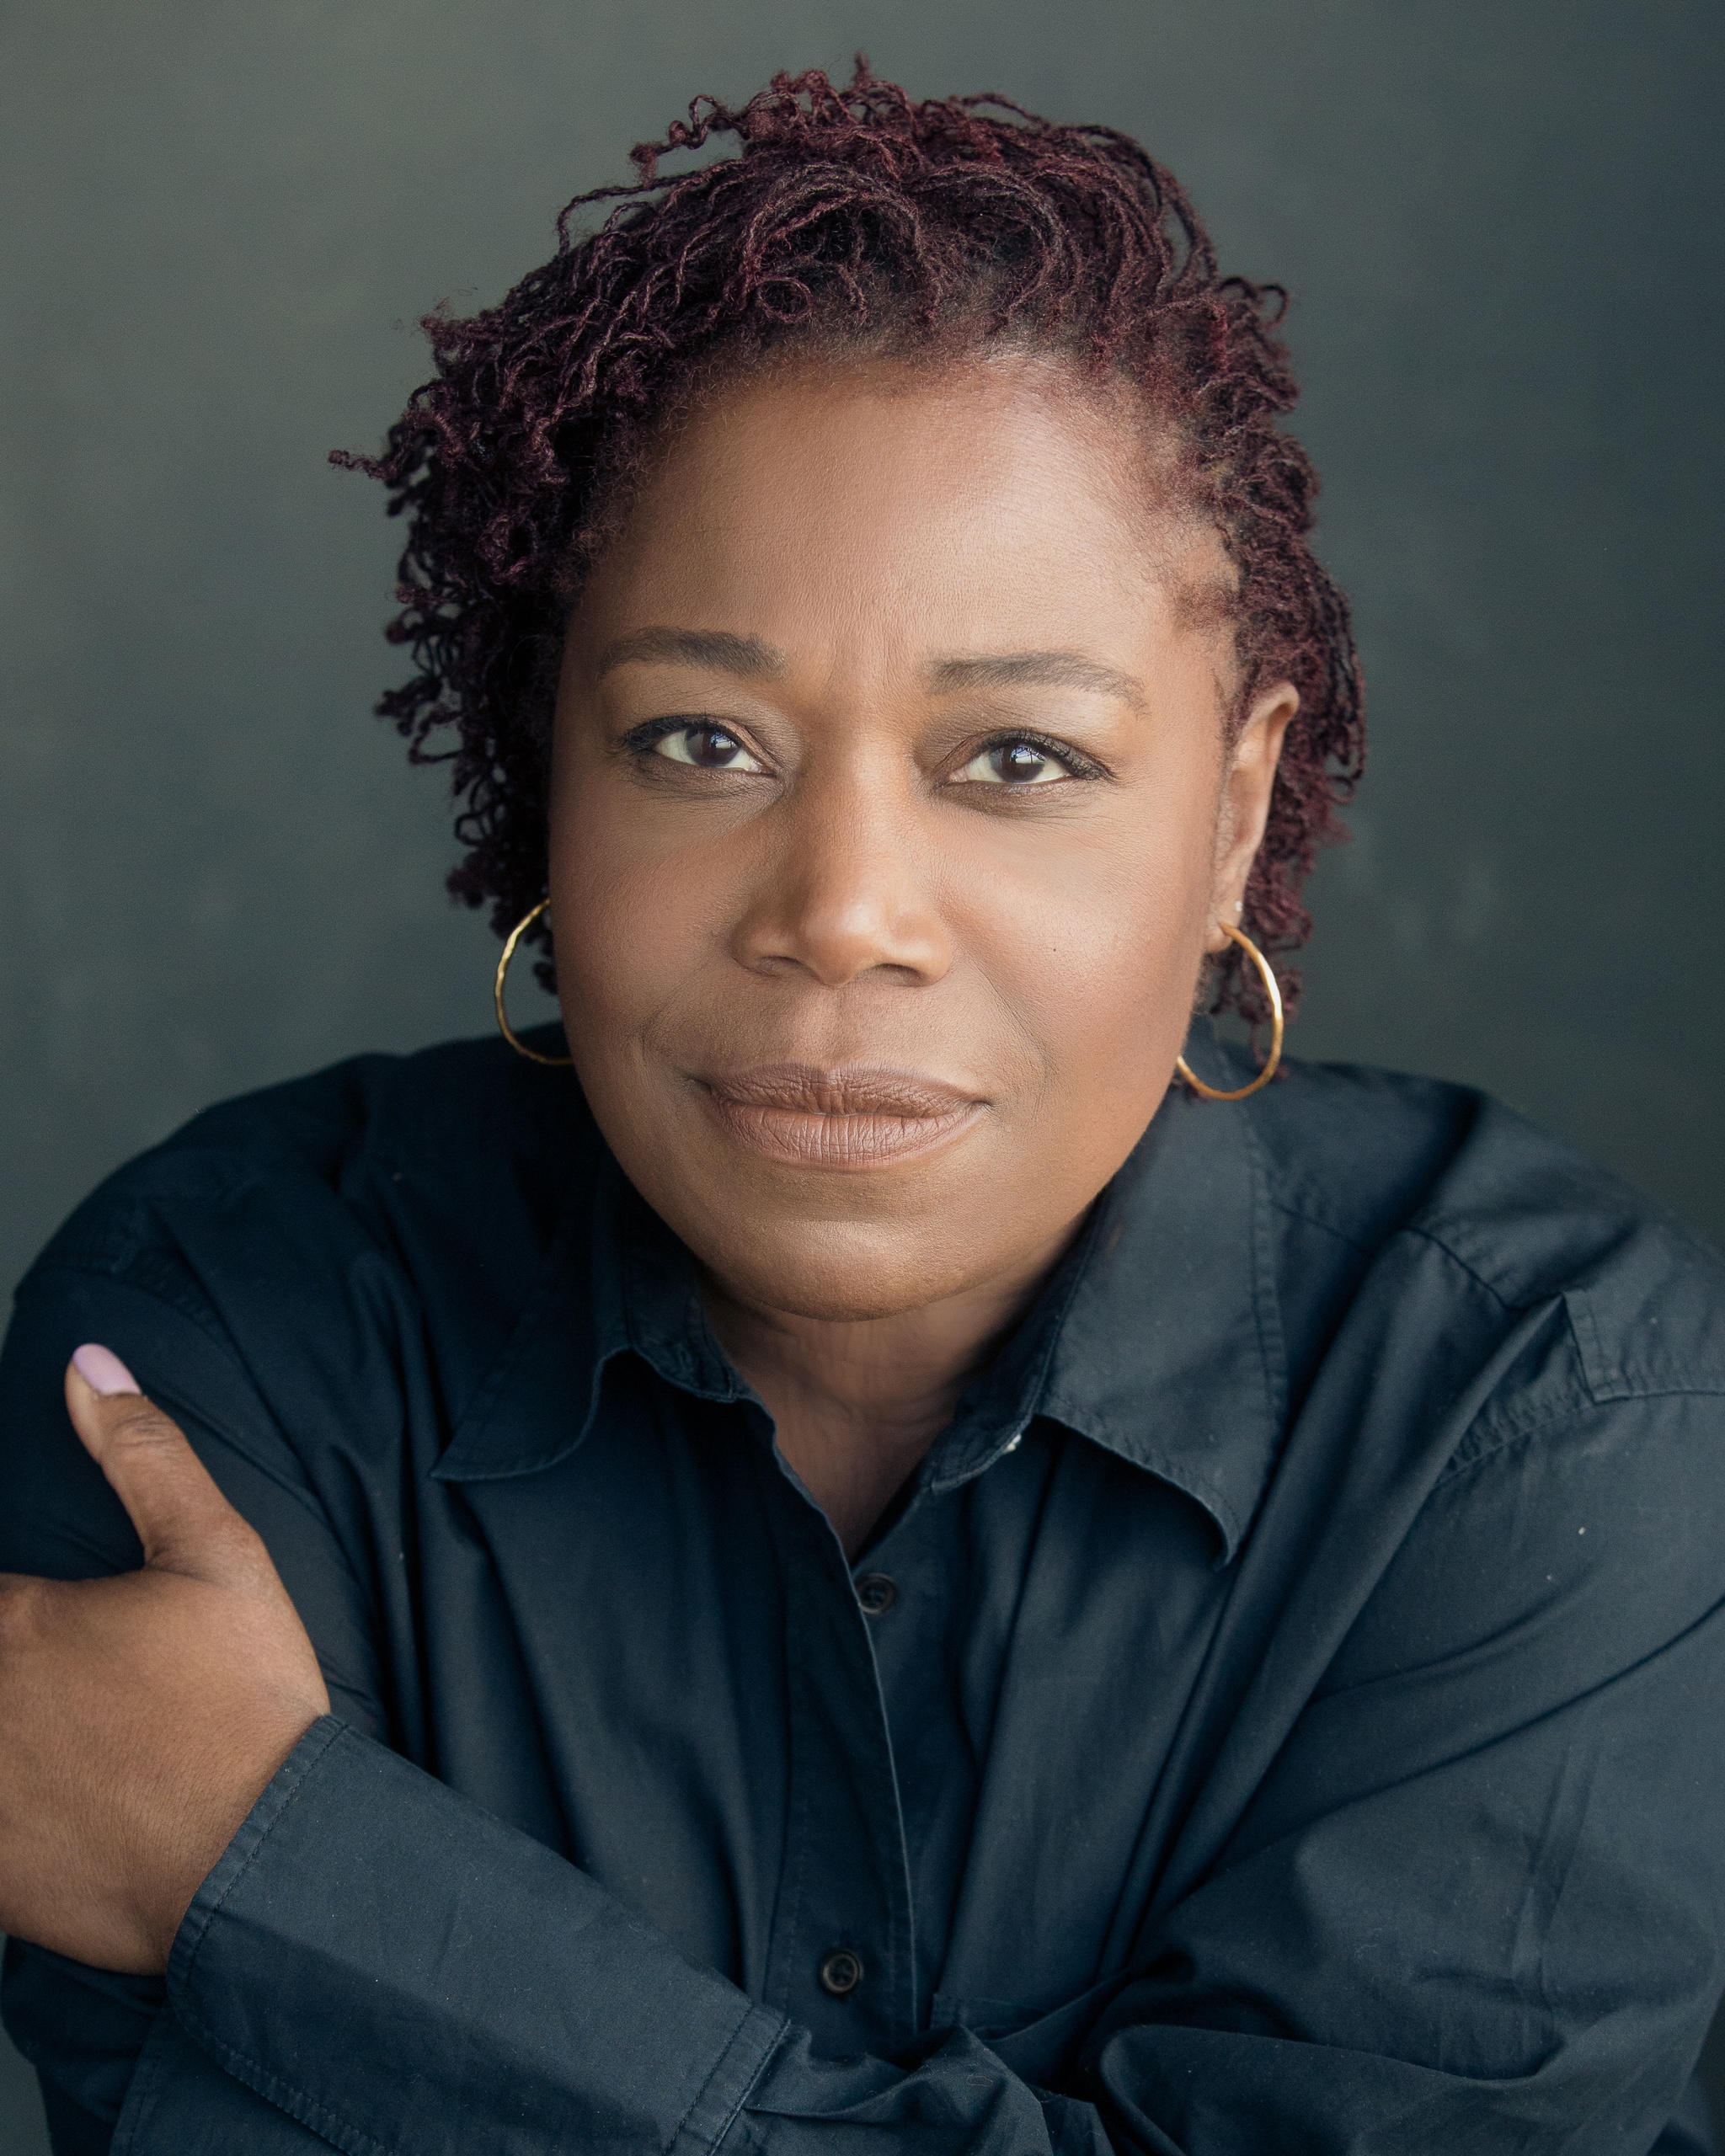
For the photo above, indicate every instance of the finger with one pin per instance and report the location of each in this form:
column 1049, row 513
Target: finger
column 182, row 1520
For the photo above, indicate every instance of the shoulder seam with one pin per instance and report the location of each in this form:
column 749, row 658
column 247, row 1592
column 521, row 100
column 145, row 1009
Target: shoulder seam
column 1295, row 1211
column 1412, row 1227
column 1514, row 1433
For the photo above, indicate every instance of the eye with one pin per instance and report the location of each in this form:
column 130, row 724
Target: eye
column 709, row 747
column 1018, row 760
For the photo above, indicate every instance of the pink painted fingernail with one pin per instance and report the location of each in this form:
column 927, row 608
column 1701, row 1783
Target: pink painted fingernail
column 103, row 1371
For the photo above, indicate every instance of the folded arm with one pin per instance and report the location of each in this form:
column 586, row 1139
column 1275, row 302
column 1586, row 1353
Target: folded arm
column 1503, row 1938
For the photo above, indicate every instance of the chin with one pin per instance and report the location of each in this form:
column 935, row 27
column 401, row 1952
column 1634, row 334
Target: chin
column 842, row 1276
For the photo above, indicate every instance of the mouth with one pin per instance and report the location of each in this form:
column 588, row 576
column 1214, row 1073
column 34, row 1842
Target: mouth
column 849, row 1118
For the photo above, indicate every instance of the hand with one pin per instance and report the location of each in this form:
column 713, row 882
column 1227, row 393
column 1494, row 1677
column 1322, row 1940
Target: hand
column 140, row 1717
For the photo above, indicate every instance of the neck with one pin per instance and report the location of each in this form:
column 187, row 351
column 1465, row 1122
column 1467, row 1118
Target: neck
column 858, row 1402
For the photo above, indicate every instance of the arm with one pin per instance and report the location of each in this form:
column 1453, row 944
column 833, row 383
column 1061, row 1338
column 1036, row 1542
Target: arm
column 569, row 2014
column 1477, row 1904
column 82, row 2027
column 373, row 1958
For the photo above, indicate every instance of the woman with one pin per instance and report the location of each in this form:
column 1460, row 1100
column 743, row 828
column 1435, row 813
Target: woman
column 913, row 1555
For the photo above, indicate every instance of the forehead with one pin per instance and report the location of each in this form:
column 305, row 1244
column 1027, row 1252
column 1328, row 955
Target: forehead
column 985, row 506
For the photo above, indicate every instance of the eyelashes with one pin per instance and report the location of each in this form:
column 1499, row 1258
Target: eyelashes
column 1017, row 761
column 1014, row 760
column 702, row 743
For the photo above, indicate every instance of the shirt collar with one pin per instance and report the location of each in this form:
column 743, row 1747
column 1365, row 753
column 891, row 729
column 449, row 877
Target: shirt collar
column 1157, row 1338
column 1170, row 1353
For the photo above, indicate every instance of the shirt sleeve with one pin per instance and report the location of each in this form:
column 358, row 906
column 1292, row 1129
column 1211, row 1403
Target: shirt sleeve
column 414, row 1974
column 1476, row 1905
column 396, row 1970
column 1478, row 1902
column 83, row 2029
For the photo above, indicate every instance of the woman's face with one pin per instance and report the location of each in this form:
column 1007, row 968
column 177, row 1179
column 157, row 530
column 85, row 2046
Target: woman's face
column 893, row 811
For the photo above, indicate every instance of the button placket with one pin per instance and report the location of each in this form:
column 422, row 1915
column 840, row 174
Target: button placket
column 844, row 1903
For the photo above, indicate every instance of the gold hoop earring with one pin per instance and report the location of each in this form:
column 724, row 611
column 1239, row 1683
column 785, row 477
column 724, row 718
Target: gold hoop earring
column 1273, row 992
column 515, row 934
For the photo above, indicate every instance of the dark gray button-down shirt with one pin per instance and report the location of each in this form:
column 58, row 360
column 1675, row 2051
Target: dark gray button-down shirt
column 1284, row 1715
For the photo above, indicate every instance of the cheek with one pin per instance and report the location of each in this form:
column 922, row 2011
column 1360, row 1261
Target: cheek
column 632, row 924
column 1091, row 948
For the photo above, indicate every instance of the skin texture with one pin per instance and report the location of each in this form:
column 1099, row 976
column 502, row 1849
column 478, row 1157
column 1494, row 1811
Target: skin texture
column 848, row 571
column 868, row 1025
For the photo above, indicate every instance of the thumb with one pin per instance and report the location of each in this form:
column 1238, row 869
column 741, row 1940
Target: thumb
column 182, row 1520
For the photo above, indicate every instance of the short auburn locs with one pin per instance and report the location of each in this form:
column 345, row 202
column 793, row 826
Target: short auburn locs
column 852, row 219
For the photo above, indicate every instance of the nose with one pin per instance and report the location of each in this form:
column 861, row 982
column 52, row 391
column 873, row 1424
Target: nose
column 846, row 890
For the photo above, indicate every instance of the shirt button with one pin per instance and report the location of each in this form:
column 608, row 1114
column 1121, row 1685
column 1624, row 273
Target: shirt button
column 877, row 1593
column 841, row 1971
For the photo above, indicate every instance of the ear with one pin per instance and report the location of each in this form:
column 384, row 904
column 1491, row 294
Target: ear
column 1245, row 805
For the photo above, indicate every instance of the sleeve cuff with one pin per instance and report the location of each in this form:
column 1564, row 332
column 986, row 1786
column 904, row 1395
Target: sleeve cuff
column 401, row 1971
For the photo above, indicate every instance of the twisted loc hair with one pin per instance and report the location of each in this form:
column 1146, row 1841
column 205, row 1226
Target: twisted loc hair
column 851, row 219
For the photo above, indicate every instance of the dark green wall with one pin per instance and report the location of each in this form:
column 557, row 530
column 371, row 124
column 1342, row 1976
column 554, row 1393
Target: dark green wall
column 1503, row 227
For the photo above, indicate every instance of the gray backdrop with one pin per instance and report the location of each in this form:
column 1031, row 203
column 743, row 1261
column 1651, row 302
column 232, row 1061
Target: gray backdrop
column 1501, row 224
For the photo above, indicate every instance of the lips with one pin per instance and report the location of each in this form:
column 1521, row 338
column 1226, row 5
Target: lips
column 850, row 1118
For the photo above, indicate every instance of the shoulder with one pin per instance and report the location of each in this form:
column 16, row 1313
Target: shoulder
column 441, row 1104
column 298, row 1276
column 1529, row 1294
column 463, row 1144
column 1521, row 1394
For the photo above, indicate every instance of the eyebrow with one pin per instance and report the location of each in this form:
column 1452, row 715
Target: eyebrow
column 1035, row 670
column 715, row 649
column 753, row 658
